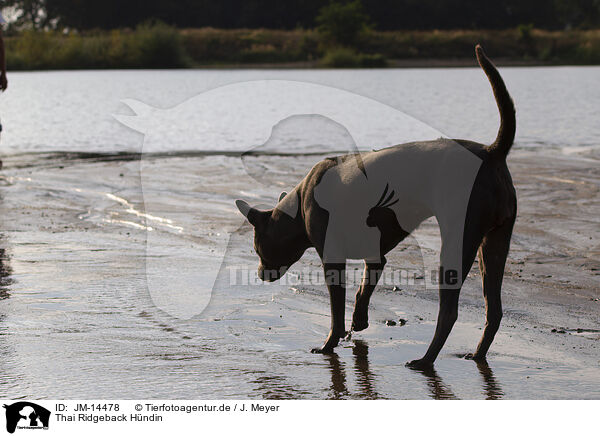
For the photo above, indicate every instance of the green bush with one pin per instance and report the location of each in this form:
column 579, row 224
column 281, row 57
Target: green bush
column 148, row 46
column 373, row 61
column 159, row 46
column 342, row 23
column 589, row 51
column 342, row 57
column 525, row 32
column 209, row 46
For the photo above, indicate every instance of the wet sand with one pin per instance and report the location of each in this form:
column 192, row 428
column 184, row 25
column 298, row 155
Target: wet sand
column 77, row 319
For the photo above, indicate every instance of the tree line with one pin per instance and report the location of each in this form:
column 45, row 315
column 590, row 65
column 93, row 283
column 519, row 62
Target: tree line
column 290, row 14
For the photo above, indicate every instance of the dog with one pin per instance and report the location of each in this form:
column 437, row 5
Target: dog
column 465, row 185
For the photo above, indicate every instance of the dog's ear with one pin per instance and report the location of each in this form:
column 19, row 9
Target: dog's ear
column 243, row 207
column 254, row 216
column 282, row 196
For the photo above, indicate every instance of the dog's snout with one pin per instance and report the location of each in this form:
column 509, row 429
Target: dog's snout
column 269, row 274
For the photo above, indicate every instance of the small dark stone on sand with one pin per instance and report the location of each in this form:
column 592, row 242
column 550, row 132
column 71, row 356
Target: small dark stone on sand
column 396, row 289
column 402, row 321
column 389, row 322
column 553, row 330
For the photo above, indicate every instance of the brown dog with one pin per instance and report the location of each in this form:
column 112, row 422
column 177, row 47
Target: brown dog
column 465, row 185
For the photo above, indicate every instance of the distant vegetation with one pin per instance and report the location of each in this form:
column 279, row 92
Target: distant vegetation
column 78, row 34
column 148, row 46
column 162, row 46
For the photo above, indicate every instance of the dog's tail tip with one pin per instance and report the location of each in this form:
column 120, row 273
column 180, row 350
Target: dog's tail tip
column 506, row 133
column 480, row 54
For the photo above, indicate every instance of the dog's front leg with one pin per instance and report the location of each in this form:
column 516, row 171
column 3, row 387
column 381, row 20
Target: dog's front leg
column 371, row 275
column 335, row 277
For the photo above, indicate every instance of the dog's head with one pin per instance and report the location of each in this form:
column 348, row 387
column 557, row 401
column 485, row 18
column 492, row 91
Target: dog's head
column 277, row 240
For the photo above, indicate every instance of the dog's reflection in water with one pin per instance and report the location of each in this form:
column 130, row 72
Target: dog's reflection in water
column 491, row 387
column 441, row 391
column 365, row 378
column 339, row 390
column 364, row 375
column 437, row 388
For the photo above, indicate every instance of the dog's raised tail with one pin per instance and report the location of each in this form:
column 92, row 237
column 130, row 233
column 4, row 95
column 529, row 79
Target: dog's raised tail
column 508, row 124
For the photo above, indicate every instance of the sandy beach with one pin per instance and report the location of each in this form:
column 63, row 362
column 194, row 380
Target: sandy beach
column 76, row 305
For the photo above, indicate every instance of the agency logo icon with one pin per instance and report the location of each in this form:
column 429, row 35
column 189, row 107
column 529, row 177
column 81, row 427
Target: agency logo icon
column 26, row 415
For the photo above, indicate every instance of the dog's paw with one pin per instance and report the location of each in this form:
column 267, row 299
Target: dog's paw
column 420, row 364
column 359, row 325
column 322, row 350
column 475, row 357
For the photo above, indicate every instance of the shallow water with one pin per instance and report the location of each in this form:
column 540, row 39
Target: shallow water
column 78, row 318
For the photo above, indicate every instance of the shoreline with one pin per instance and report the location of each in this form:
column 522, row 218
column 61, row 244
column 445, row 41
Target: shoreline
column 392, row 64
column 428, row 63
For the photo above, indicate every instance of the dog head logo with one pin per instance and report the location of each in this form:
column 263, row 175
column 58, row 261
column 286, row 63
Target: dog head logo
column 26, row 415
column 213, row 130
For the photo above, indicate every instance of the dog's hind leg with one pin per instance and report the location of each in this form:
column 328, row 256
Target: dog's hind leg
column 447, row 316
column 335, row 277
column 371, row 275
column 451, row 281
column 492, row 259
